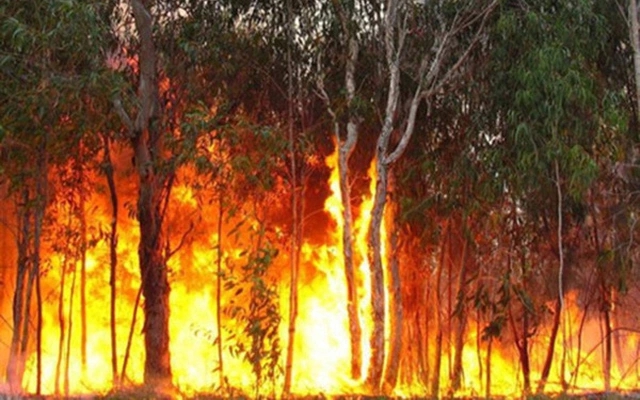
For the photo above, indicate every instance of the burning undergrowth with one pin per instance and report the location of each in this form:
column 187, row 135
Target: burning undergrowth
column 465, row 331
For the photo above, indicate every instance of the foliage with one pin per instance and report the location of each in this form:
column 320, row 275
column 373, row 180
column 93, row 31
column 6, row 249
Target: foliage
column 257, row 314
column 549, row 100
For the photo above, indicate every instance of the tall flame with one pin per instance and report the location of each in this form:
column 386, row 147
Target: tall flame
column 322, row 358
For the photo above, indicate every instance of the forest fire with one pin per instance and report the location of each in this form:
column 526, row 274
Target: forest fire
column 172, row 223
column 322, row 354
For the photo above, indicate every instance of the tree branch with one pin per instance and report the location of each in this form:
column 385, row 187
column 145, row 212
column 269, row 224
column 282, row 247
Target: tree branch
column 124, row 117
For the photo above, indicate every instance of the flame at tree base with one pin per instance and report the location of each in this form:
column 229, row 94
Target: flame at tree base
column 322, row 359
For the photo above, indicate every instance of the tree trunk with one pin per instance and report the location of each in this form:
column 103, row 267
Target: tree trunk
column 127, row 351
column 17, row 353
column 219, row 290
column 61, row 324
column 488, row 368
column 355, row 330
column 155, row 288
column 608, row 332
column 345, row 149
column 615, row 324
column 83, row 288
column 395, row 313
column 83, row 267
column 546, row 369
column 635, row 45
column 294, row 253
column 113, row 263
column 148, row 148
column 522, row 343
column 378, row 306
column 72, row 294
column 560, row 303
column 41, row 205
column 437, row 358
column 461, row 313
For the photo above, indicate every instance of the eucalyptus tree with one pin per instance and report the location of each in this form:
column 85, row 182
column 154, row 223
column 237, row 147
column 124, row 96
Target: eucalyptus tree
column 50, row 64
column 346, row 138
column 431, row 43
column 549, row 103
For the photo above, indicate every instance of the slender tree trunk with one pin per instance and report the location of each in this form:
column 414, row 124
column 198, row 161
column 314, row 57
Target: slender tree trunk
column 16, row 362
column 344, row 154
column 488, row 368
column 435, row 378
column 557, row 319
column 113, row 263
column 41, row 204
column 345, row 149
column 355, row 330
column 395, row 312
column 461, row 313
column 127, row 350
column 522, row 344
column 546, row 369
column 524, row 354
column 378, row 305
column 83, row 269
column 27, row 324
column 615, row 322
column 479, row 341
column 295, row 223
column 61, row 324
column 72, row 294
column 83, row 287
column 608, row 332
column 429, row 306
column 421, row 356
column 635, row 45
column 219, row 291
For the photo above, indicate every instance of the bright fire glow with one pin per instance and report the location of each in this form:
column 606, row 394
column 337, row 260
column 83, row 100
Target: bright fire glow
column 322, row 351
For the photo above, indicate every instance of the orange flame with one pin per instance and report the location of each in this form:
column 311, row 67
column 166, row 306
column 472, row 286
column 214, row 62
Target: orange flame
column 322, row 351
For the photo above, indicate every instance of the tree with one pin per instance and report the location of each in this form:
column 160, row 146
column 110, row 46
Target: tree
column 442, row 60
column 346, row 145
column 548, row 125
column 39, row 121
column 146, row 134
